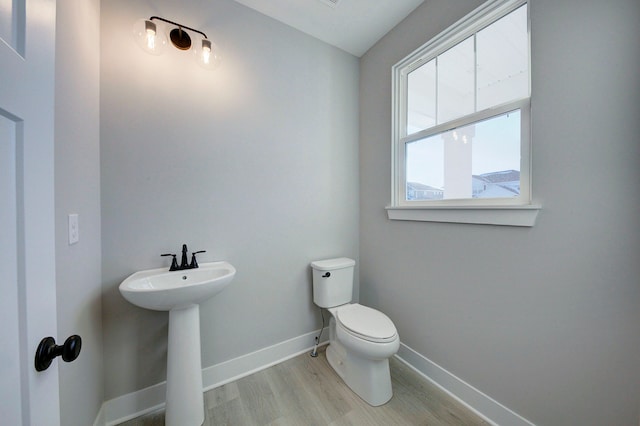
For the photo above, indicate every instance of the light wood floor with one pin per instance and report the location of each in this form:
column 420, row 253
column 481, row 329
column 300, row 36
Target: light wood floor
column 306, row 391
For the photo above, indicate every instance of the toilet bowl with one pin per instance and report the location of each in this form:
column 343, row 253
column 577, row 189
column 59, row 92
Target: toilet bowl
column 361, row 339
column 360, row 359
column 367, row 332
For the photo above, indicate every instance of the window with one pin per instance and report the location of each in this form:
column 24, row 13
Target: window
column 461, row 122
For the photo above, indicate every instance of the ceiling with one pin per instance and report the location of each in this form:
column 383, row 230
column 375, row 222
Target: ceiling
column 351, row 25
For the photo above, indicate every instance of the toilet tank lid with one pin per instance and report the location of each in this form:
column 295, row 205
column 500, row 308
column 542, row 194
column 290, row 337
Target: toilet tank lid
column 332, row 264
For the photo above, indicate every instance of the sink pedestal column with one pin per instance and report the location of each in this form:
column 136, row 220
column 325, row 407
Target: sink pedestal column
column 185, row 400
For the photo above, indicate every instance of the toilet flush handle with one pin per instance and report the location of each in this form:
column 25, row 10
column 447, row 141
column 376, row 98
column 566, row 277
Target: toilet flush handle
column 326, row 275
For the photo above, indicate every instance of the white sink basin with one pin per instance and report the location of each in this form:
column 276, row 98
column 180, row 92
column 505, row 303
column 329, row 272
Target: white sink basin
column 180, row 293
column 161, row 290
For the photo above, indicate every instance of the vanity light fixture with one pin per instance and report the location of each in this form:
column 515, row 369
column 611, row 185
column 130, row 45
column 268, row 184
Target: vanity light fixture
column 150, row 36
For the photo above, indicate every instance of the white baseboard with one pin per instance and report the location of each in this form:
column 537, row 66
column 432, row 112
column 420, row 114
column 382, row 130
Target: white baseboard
column 234, row 369
column 478, row 402
column 100, row 420
column 150, row 399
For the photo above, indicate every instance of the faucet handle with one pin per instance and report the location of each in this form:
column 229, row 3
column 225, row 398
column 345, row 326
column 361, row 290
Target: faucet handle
column 194, row 262
column 174, row 262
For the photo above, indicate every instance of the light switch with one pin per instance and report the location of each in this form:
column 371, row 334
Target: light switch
column 74, row 229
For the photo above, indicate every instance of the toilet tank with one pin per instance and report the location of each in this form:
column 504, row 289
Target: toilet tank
column 332, row 281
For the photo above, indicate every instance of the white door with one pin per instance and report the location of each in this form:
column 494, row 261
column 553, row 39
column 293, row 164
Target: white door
column 27, row 254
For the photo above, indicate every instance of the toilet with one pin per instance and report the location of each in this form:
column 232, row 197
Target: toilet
column 361, row 339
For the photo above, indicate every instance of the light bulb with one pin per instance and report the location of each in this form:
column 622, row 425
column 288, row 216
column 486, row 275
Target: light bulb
column 208, row 54
column 151, row 35
column 147, row 36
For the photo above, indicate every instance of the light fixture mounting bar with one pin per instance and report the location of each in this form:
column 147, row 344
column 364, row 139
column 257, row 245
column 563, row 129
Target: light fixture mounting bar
column 178, row 25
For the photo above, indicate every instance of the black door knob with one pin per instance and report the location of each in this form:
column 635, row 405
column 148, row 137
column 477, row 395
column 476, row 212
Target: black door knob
column 48, row 350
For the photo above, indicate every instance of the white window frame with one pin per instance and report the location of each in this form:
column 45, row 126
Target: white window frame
column 516, row 211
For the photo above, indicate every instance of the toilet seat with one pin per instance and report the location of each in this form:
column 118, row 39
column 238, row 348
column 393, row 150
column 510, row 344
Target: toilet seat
column 366, row 323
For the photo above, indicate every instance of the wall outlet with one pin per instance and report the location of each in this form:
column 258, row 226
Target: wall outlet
column 74, row 229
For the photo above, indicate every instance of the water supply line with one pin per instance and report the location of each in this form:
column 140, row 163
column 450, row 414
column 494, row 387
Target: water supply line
column 314, row 352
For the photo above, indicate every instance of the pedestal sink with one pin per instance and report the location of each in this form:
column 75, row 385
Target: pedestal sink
column 180, row 293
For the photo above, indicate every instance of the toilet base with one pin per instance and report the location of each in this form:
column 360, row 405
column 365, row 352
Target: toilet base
column 367, row 378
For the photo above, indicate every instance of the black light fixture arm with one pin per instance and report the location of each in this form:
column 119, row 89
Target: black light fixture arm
column 178, row 25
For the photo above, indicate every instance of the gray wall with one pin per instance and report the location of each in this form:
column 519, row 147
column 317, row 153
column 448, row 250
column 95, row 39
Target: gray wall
column 257, row 163
column 77, row 188
column 545, row 320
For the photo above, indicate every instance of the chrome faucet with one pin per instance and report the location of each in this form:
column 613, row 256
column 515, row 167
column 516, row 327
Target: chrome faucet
column 184, row 264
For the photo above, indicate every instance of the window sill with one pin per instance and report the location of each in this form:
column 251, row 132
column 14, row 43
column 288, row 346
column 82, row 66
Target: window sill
column 486, row 215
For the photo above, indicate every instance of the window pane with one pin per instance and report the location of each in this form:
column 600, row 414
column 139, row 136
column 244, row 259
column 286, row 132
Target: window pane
column 503, row 60
column 425, row 169
column 421, row 98
column 481, row 160
column 496, row 157
column 456, row 82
